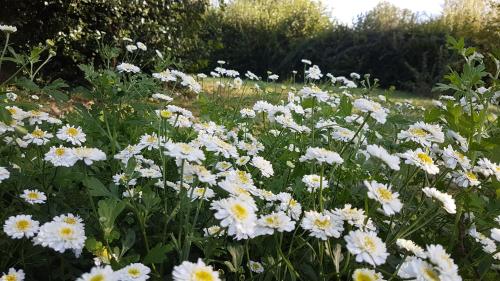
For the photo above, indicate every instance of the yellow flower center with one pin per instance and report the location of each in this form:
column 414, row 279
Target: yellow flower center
column 418, row 132
column 185, row 148
column 426, row 159
column 239, row 211
column 272, row 221
column 60, row 151
column 72, row 132
column 384, row 193
column 152, row 139
column 431, row 274
column 344, row 133
column 199, row 191
column 471, row 176
column 363, row 277
column 10, row 277
column 369, row 244
column 242, row 176
column 165, row 114
column 12, row 111
column 66, row 232
column 134, row 272
column 23, row 225
column 98, row 277
column 203, row 275
column 37, row 133
column 322, row 223
column 255, row 266
column 33, row 195
column 459, row 155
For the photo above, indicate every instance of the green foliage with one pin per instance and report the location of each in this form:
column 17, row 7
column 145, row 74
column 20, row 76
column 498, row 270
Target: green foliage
column 77, row 27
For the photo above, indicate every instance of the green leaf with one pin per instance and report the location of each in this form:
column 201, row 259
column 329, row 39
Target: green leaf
column 345, row 106
column 109, row 210
column 5, row 115
column 157, row 254
column 96, row 188
column 27, row 84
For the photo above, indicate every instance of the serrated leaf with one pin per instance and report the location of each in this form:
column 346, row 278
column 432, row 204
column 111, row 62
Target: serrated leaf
column 157, row 254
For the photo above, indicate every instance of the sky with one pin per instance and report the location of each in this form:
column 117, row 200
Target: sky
column 346, row 10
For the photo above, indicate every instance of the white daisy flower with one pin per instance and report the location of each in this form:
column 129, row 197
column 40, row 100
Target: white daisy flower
column 365, row 274
column 38, row 137
column 278, row 221
column 411, row 247
column 165, row 76
column 214, row 230
column 452, row 157
column 487, row 168
column 127, row 67
column 237, row 215
column 33, row 196
column 4, row 174
column 100, row 274
column 124, row 179
column 390, row 160
column 414, row 268
column 289, row 205
column 20, row 226
column 423, row 134
column 89, row 155
column 13, row 274
column 305, row 61
column 321, row 155
column 71, row 134
column 141, row 46
column 8, row 29
column 367, row 247
column 61, row 156
column 465, row 178
column 421, row 159
column 127, row 153
column 322, row 225
column 184, row 151
column 342, row 134
column 438, row 256
column 488, row 244
column 265, row 167
column 217, row 145
column 355, row 217
column 446, row 199
column 314, row 182
column 188, row 271
column 459, row 140
column 134, row 272
column 61, row 234
column 255, row 266
column 162, row 97
column 131, row 48
column 247, row 113
column 17, row 113
column 383, row 194
column 376, row 110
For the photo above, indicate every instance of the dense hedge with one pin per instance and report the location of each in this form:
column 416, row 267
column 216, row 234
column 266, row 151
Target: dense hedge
column 77, row 26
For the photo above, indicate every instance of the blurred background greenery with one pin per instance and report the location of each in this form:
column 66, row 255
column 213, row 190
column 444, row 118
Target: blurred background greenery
column 398, row 46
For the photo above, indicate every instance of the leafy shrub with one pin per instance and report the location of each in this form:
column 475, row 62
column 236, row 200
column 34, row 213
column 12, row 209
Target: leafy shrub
column 78, row 27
